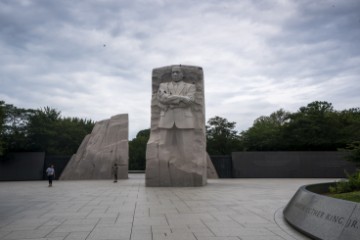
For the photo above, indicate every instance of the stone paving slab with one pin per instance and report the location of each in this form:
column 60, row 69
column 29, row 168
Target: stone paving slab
column 225, row 209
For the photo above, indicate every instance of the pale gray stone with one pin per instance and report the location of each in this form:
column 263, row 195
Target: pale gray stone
column 27, row 234
column 224, row 199
column 176, row 150
column 107, row 233
column 211, row 171
column 107, row 144
column 77, row 236
column 321, row 216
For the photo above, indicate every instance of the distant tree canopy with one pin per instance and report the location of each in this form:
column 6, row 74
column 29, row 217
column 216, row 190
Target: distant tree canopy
column 14, row 132
column 137, row 150
column 315, row 127
column 2, row 121
column 354, row 152
column 40, row 130
column 50, row 132
column 221, row 137
column 267, row 132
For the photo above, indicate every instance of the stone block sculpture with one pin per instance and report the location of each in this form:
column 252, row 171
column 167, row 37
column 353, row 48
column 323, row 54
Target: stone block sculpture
column 176, row 151
column 106, row 145
column 211, row 171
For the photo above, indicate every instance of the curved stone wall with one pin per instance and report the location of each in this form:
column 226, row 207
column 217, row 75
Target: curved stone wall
column 322, row 217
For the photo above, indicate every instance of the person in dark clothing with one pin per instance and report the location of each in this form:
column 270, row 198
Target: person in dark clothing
column 50, row 172
column 115, row 172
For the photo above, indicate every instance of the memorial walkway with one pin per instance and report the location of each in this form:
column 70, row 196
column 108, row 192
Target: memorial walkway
column 225, row 209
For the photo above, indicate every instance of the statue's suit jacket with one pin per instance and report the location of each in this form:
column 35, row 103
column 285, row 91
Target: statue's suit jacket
column 179, row 114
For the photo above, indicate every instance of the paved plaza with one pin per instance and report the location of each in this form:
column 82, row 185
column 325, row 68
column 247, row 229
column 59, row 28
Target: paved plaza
column 231, row 209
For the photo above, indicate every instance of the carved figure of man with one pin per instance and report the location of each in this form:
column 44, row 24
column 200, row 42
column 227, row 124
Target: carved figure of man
column 178, row 149
column 175, row 99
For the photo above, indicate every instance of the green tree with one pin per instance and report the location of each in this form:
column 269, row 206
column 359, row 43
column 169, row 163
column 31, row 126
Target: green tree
column 222, row 139
column 354, row 152
column 350, row 126
column 137, row 150
column 2, row 121
column 70, row 132
column 14, row 132
column 266, row 134
column 315, row 127
column 40, row 130
column 51, row 133
column 43, row 129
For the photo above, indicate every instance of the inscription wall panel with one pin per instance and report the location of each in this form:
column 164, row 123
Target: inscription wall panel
column 323, row 217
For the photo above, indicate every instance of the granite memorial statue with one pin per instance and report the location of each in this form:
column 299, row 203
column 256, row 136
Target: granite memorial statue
column 176, row 151
column 106, row 146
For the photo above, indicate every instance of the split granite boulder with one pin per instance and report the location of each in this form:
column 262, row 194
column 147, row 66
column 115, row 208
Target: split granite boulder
column 107, row 144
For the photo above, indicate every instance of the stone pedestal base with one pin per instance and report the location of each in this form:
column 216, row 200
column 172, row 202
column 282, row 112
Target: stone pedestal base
column 170, row 169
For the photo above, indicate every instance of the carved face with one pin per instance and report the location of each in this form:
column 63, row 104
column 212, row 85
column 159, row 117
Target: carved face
column 176, row 74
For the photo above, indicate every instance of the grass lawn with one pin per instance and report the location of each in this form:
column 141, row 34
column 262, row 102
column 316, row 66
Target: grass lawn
column 350, row 196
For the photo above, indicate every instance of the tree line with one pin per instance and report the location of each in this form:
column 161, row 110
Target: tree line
column 314, row 127
column 41, row 130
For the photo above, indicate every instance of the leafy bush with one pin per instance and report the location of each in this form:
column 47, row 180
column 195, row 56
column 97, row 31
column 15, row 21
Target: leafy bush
column 354, row 149
column 349, row 185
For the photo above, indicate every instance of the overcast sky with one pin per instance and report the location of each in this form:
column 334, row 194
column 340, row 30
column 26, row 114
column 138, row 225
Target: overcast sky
column 93, row 59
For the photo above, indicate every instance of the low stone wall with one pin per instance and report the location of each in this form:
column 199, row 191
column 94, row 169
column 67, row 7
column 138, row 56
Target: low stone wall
column 222, row 165
column 322, row 217
column 290, row 165
column 19, row 166
column 22, row 166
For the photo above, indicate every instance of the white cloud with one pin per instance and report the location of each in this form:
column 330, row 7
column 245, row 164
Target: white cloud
column 94, row 59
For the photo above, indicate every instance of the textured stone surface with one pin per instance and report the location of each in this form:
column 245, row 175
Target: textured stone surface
column 224, row 209
column 323, row 217
column 107, row 144
column 176, row 150
column 211, row 171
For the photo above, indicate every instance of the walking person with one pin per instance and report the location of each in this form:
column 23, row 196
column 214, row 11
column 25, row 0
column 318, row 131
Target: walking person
column 115, row 172
column 50, row 172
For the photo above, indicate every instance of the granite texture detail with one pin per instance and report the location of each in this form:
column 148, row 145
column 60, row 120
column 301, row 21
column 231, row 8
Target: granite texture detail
column 107, row 144
column 176, row 150
column 323, row 217
column 211, row 171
